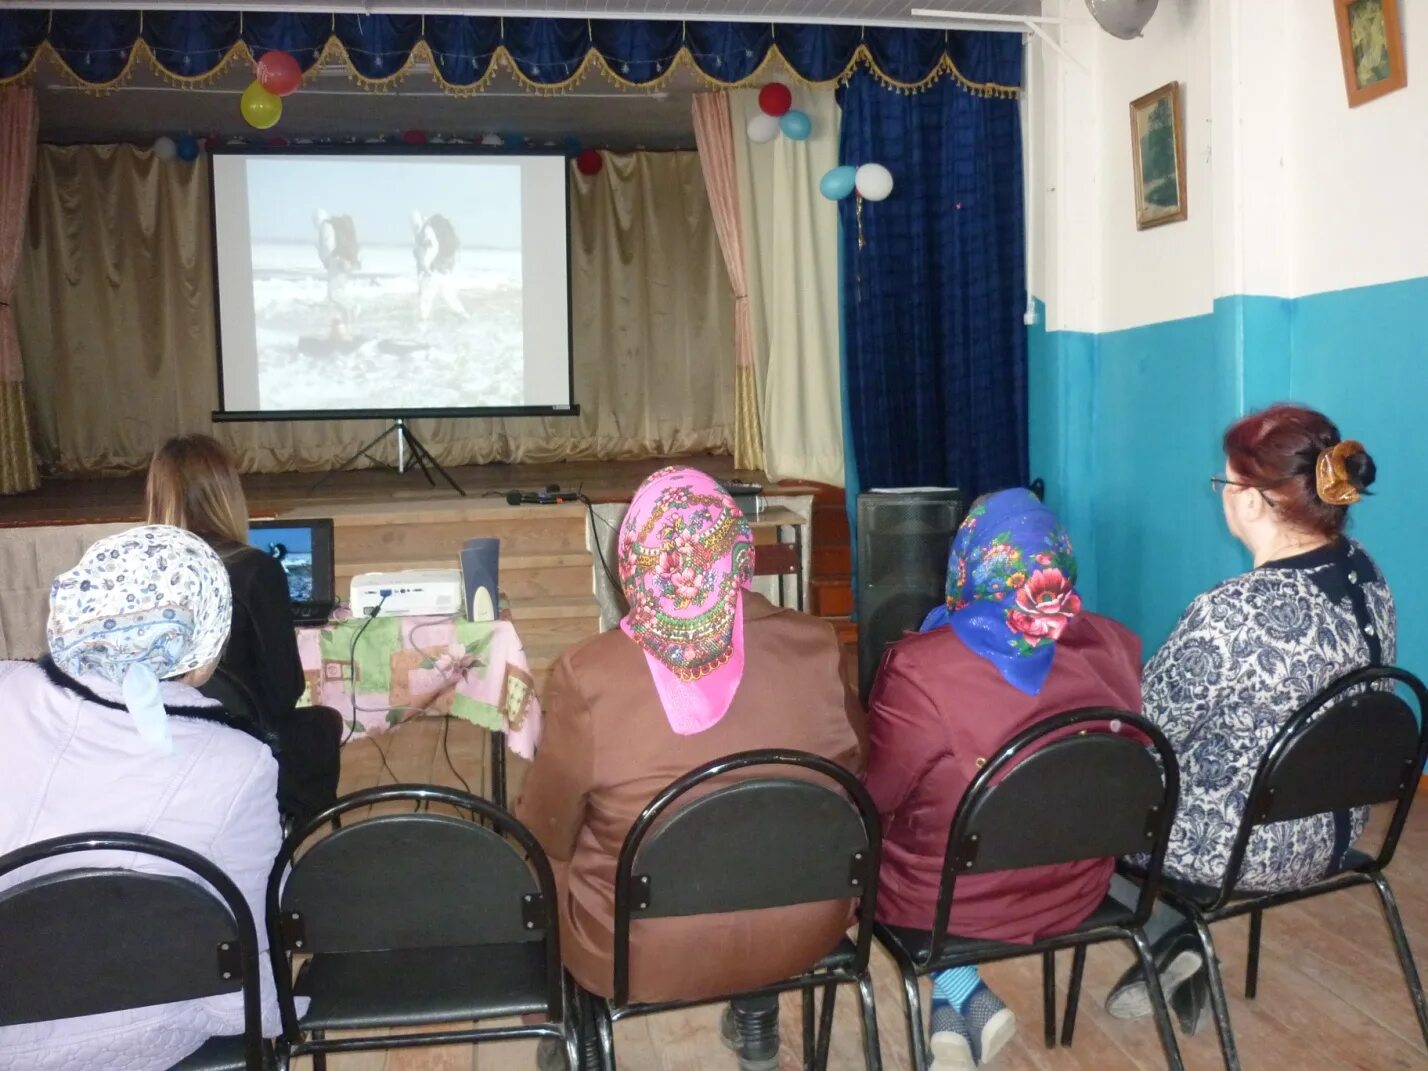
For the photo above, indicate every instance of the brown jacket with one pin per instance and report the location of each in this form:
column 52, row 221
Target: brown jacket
column 606, row 752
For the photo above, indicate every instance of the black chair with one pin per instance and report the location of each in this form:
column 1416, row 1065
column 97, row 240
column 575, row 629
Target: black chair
column 89, row 940
column 1065, row 790
column 768, row 841
column 1353, row 745
column 237, row 698
column 415, row 919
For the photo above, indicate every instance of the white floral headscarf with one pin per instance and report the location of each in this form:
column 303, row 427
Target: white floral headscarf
column 142, row 606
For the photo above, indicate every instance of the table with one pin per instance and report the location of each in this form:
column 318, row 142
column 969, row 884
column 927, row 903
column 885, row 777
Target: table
column 776, row 557
column 409, row 666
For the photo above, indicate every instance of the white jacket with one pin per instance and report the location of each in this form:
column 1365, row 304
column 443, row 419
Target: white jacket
column 70, row 764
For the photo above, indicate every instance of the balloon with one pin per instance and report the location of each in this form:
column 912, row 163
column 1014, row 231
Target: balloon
column 414, row 137
column 762, row 128
column 164, row 148
column 513, row 141
column 874, row 182
column 279, row 73
column 838, row 182
column 260, row 108
column 796, row 125
column 571, row 145
column 188, row 148
column 589, row 162
column 277, row 141
column 775, row 99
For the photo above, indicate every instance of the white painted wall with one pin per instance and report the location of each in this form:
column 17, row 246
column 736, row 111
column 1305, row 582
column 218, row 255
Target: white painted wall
column 1290, row 191
column 1358, row 210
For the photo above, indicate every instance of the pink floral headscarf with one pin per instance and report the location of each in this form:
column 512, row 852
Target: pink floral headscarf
column 686, row 555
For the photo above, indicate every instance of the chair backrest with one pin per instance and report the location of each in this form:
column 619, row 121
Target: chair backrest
column 763, row 841
column 1087, row 784
column 1355, row 744
column 84, row 941
column 411, row 880
column 237, row 698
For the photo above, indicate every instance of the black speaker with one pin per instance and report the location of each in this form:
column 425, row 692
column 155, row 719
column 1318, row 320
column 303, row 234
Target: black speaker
column 480, row 573
column 903, row 541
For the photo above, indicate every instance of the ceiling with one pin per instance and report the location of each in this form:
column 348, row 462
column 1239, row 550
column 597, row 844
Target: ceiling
column 594, row 111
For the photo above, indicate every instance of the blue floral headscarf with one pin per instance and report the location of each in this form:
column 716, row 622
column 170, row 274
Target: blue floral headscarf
column 1011, row 589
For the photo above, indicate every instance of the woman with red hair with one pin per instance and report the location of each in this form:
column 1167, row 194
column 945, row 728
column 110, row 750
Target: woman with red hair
column 1246, row 654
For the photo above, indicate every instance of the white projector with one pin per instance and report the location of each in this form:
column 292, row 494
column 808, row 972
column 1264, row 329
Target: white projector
column 409, row 593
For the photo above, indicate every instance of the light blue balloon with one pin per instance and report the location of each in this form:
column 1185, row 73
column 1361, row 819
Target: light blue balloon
column 796, row 126
column 838, row 183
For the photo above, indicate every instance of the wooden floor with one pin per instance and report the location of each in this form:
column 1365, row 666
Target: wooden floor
column 121, row 498
column 1330, row 993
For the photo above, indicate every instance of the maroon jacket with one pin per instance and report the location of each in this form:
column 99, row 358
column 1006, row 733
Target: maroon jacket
column 938, row 711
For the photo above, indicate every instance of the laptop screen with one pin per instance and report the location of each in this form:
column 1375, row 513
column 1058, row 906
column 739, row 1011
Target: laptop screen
column 304, row 549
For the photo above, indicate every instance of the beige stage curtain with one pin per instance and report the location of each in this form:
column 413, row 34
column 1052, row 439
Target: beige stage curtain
column 114, row 306
column 791, row 254
column 19, row 125
column 713, row 133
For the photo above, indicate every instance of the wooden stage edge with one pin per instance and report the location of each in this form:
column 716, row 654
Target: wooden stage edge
column 121, row 498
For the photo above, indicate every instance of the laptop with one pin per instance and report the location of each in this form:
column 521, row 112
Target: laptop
column 303, row 547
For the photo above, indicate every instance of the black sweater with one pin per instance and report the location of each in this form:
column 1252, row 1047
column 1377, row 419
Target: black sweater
column 262, row 647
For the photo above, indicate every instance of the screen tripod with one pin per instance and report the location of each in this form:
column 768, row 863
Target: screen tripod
column 420, row 457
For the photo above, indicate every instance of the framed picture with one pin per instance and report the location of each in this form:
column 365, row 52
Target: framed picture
column 1371, row 44
column 1158, row 152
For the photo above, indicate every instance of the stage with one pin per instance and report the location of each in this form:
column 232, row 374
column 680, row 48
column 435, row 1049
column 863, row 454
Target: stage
column 121, row 498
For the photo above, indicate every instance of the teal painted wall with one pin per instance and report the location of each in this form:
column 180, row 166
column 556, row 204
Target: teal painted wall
column 1125, row 428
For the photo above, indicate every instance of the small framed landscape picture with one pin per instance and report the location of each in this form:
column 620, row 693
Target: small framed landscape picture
column 1158, row 152
column 1372, row 48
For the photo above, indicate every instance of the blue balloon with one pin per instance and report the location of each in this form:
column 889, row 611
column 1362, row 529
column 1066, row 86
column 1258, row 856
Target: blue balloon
column 572, row 146
column 187, row 148
column 796, row 126
column 513, row 140
column 838, row 183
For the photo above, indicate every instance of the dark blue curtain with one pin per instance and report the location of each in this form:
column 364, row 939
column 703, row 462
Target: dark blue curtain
column 934, row 282
column 98, row 45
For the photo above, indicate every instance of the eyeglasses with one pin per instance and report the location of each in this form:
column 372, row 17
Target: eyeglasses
column 1219, row 483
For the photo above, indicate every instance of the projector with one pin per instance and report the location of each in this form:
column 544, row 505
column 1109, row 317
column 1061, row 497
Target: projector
column 409, row 593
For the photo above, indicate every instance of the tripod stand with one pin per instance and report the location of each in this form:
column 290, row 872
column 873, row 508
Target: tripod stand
column 421, row 456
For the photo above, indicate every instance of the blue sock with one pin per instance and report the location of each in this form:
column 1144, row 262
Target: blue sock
column 956, row 985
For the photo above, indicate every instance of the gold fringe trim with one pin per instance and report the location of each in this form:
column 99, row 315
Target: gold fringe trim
column 335, row 52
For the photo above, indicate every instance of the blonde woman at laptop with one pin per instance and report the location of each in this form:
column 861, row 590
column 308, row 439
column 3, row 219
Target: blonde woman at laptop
column 193, row 483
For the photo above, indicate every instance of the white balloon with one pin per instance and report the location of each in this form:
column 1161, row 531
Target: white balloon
column 763, row 128
column 165, row 148
column 874, row 182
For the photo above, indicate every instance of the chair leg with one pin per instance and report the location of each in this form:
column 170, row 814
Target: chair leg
column 1073, row 995
column 916, row 1042
column 1157, row 999
column 1252, row 965
column 1048, row 998
column 825, row 1027
column 1405, row 954
column 606, row 1031
column 809, row 1058
column 1219, row 1003
column 319, row 1059
column 872, row 1049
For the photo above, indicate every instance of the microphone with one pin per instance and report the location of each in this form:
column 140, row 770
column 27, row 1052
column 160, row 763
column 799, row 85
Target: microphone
column 549, row 497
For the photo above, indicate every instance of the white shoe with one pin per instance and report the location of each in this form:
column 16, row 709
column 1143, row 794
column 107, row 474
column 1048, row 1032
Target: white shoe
column 951, row 1043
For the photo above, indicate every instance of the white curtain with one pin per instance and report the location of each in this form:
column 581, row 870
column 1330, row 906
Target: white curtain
column 791, row 256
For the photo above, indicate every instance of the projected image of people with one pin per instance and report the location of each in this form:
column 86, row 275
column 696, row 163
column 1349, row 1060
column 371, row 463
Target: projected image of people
column 386, row 281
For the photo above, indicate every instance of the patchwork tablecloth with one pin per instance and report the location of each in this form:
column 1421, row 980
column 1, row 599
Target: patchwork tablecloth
column 409, row 666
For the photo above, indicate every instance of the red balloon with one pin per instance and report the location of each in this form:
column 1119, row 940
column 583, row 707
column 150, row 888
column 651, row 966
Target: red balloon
column 279, row 73
column 589, row 162
column 277, row 141
column 775, row 98
column 415, row 137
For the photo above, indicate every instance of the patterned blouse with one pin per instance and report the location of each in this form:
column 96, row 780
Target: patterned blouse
column 1244, row 656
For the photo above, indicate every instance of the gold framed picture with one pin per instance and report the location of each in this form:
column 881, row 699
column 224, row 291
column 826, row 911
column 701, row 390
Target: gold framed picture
column 1371, row 44
column 1158, row 154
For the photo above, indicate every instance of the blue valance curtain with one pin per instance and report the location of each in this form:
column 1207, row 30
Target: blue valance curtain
column 100, row 47
column 934, row 283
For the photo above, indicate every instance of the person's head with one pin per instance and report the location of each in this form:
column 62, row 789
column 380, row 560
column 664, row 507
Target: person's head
column 143, row 606
column 1290, row 478
column 320, row 217
column 686, row 554
column 193, row 483
column 418, row 221
column 1011, row 585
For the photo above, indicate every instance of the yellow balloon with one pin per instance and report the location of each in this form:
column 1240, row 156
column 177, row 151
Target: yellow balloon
column 260, row 108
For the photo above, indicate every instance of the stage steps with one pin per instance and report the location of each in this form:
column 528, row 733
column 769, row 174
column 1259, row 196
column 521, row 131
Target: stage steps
column 546, row 565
